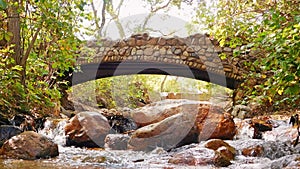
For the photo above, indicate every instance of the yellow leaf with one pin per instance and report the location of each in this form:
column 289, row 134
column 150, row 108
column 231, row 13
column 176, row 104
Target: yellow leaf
column 263, row 76
column 280, row 91
column 270, row 99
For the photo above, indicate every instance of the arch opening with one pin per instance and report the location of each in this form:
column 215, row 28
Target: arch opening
column 108, row 69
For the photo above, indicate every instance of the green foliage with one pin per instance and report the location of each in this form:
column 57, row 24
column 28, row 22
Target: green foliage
column 270, row 27
column 126, row 91
column 48, row 45
column 3, row 5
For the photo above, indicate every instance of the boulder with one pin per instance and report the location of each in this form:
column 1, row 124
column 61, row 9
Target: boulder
column 8, row 131
column 213, row 123
column 116, row 141
column 29, row 145
column 87, row 129
column 166, row 134
column 158, row 111
column 195, row 121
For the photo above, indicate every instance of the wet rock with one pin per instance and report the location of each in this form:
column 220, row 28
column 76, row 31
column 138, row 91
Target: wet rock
column 215, row 144
column 197, row 121
column 8, row 131
column 87, row 129
column 29, row 145
column 121, row 124
column 18, row 119
column 241, row 111
column 213, row 123
column 221, row 160
column 39, row 123
column 193, row 157
column 166, row 134
column 158, row 111
column 24, row 122
column 253, row 151
column 224, row 152
column 260, row 125
column 116, row 141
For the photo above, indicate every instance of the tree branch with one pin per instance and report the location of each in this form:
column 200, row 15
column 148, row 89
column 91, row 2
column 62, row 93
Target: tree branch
column 152, row 12
column 161, row 7
column 25, row 57
column 110, row 10
column 96, row 17
column 103, row 19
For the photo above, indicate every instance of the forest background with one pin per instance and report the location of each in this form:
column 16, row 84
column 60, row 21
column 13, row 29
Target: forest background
column 41, row 39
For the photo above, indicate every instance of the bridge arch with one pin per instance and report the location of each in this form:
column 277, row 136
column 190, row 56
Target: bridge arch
column 196, row 57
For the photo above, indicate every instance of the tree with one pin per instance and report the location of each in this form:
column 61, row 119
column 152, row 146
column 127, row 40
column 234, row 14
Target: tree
column 38, row 41
column 271, row 30
column 110, row 11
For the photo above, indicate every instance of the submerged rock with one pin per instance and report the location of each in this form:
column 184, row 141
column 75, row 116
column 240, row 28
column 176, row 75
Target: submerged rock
column 29, row 145
column 193, row 157
column 87, row 129
column 116, row 141
column 253, row 151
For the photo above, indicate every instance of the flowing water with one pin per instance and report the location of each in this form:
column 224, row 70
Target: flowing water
column 278, row 152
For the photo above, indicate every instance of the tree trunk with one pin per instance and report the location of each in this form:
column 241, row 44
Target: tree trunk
column 14, row 28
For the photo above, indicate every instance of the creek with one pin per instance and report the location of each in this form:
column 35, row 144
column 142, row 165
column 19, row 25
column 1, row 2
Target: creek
column 278, row 151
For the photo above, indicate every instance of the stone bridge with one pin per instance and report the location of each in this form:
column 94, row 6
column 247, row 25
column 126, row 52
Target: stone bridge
column 196, row 56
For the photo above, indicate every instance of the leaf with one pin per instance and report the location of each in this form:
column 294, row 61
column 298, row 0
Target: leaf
column 7, row 37
column 1, row 36
column 292, row 90
column 280, row 91
column 17, row 67
column 3, row 5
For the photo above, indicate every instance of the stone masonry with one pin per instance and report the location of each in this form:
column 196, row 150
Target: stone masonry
column 196, row 51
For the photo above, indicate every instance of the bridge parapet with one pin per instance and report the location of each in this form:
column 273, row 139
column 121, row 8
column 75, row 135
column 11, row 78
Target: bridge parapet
column 196, row 51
